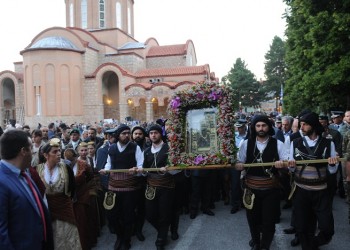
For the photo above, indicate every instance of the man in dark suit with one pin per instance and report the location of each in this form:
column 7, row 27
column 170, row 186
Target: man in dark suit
column 24, row 218
column 98, row 142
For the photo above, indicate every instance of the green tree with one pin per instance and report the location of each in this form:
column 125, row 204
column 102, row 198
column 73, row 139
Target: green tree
column 275, row 67
column 317, row 55
column 243, row 83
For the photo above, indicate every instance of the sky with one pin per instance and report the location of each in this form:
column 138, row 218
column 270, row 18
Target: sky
column 221, row 30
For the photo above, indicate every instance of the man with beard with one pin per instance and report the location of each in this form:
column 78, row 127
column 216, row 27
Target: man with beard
column 160, row 186
column 261, row 182
column 93, row 138
column 124, row 155
column 335, row 136
column 24, row 218
column 297, row 133
column 312, row 201
column 45, row 132
column 138, row 135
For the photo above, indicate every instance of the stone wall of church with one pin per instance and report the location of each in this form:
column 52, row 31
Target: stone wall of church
column 166, row 62
column 33, row 121
column 90, row 61
column 128, row 62
column 92, row 102
column 18, row 67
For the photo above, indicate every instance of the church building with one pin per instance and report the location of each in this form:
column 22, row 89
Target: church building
column 95, row 69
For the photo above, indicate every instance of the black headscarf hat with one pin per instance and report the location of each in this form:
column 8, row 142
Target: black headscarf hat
column 120, row 129
column 313, row 120
column 140, row 128
column 155, row 127
column 261, row 118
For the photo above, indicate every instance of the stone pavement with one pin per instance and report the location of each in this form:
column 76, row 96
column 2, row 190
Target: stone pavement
column 227, row 231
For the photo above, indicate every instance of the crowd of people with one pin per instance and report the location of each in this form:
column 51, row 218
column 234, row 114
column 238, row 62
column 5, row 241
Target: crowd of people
column 60, row 184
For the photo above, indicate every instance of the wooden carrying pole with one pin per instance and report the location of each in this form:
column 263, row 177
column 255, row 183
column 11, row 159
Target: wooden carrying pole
column 248, row 165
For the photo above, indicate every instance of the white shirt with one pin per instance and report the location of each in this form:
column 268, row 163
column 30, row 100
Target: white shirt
column 242, row 153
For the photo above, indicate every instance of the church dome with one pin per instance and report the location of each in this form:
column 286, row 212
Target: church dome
column 54, row 42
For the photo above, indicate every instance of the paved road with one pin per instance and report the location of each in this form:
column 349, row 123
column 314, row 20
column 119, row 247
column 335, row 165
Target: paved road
column 227, row 231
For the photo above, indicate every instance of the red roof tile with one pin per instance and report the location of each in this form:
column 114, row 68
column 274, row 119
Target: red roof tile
column 148, row 86
column 168, row 50
column 189, row 70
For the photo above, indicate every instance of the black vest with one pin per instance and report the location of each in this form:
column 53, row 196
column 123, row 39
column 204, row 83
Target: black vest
column 125, row 159
column 162, row 157
column 320, row 152
column 270, row 154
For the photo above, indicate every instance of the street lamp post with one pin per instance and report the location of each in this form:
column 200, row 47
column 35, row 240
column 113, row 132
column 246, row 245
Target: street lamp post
column 277, row 99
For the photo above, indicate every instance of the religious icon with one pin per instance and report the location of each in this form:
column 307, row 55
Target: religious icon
column 201, row 130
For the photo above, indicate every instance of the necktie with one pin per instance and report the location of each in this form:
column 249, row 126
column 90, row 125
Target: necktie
column 37, row 200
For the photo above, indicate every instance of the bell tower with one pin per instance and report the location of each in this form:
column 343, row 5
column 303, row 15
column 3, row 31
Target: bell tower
column 101, row 14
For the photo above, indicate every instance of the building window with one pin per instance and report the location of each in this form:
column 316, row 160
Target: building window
column 71, row 15
column 119, row 15
column 38, row 100
column 84, row 14
column 129, row 19
column 102, row 14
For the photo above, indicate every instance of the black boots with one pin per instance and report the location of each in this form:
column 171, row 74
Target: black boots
column 174, row 225
column 295, row 242
column 174, row 235
column 139, row 235
column 160, row 244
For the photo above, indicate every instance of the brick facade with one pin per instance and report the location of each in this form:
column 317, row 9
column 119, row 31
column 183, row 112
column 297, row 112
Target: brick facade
column 86, row 75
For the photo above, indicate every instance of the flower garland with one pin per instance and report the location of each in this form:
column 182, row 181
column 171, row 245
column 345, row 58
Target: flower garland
column 199, row 96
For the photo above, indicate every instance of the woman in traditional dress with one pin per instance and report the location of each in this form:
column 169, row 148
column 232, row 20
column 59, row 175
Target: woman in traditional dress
column 84, row 154
column 87, row 191
column 97, row 181
column 92, row 153
column 37, row 139
column 83, row 175
column 60, row 189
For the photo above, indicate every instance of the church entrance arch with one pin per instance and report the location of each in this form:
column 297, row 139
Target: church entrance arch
column 162, row 109
column 110, row 94
column 155, row 108
column 141, row 110
column 8, row 97
column 131, row 110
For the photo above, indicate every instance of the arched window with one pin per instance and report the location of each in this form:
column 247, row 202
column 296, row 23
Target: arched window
column 118, row 9
column 129, row 19
column 84, row 14
column 38, row 100
column 102, row 14
column 71, row 15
